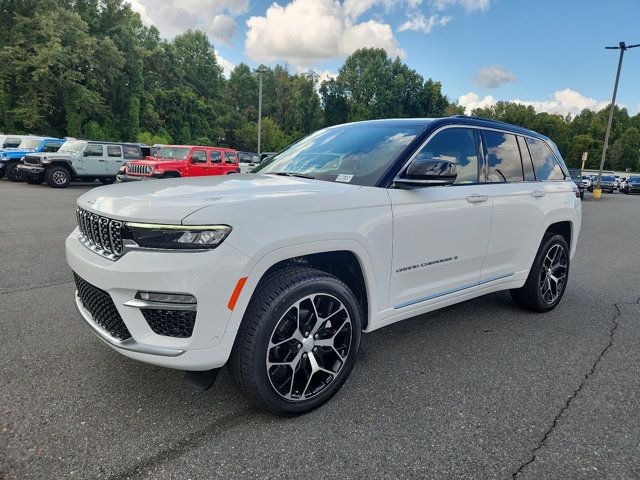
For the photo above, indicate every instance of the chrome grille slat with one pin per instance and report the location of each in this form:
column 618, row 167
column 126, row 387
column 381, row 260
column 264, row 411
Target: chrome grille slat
column 100, row 234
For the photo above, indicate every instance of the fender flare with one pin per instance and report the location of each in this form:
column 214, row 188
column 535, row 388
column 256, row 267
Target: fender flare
column 61, row 162
column 255, row 273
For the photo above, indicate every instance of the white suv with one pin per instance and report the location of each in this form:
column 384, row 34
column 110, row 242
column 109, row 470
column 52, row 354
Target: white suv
column 355, row 227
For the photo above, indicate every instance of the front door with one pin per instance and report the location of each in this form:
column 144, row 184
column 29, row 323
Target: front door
column 441, row 233
column 93, row 160
column 199, row 165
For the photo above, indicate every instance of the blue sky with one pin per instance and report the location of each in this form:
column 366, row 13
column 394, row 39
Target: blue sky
column 547, row 53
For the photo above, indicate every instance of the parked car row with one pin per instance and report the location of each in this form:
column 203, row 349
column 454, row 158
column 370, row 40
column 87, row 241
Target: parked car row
column 57, row 162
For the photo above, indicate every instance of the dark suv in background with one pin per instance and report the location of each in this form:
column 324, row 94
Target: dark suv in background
column 576, row 176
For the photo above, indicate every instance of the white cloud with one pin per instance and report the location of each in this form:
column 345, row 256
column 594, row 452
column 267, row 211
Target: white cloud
column 563, row 102
column 419, row 22
column 173, row 17
column 226, row 65
column 472, row 100
column 308, row 31
column 493, row 76
column 468, row 5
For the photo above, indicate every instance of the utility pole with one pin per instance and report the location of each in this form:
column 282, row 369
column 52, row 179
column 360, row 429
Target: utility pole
column 260, row 71
column 622, row 47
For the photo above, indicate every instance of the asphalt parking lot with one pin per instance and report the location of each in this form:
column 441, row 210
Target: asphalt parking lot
column 477, row 390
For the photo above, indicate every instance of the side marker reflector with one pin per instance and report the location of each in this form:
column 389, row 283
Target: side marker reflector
column 236, row 293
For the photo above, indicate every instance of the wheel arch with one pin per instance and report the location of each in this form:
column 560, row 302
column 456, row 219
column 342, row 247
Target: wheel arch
column 62, row 163
column 347, row 261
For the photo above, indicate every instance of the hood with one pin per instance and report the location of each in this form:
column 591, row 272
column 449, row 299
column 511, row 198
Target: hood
column 43, row 155
column 230, row 196
column 157, row 161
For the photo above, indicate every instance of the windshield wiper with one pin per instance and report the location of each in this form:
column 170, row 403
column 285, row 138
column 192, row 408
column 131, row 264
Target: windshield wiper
column 293, row 174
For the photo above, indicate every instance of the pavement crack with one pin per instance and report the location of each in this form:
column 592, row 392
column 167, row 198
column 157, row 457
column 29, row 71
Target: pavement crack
column 567, row 404
column 35, row 287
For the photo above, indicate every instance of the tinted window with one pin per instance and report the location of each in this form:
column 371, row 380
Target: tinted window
column 229, row 157
column 12, row 142
column 357, row 153
column 544, row 161
column 93, row 150
column 527, row 164
column 51, row 147
column 216, row 157
column 131, row 151
column 454, row 145
column 199, row 156
column 114, row 151
column 503, row 160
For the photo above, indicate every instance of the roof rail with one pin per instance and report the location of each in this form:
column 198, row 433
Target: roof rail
column 473, row 117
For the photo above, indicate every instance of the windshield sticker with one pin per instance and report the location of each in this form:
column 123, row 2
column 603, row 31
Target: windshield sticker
column 343, row 177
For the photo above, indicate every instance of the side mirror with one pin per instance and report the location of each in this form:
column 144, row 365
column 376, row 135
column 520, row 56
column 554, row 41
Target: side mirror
column 428, row 173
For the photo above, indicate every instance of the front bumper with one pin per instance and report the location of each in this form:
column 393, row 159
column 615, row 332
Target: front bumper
column 209, row 276
column 31, row 170
column 120, row 178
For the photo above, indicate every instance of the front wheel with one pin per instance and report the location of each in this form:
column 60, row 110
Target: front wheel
column 57, row 177
column 547, row 278
column 13, row 172
column 298, row 341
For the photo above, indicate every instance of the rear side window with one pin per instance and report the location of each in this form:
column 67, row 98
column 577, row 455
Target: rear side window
column 527, row 164
column 229, row 157
column 503, row 157
column 454, row 145
column 114, row 151
column 544, row 160
column 12, row 142
column 131, row 151
column 216, row 157
column 93, row 150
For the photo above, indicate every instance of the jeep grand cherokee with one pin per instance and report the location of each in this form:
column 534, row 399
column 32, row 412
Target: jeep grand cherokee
column 278, row 272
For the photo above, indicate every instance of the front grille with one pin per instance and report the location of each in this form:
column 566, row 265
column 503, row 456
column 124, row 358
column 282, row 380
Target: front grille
column 136, row 169
column 101, row 234
column 170, row 323
column 102, row 309
column 31, row 160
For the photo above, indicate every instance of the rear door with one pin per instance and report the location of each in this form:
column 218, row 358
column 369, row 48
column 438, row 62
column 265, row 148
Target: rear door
column 217, row 165
column 114, row 158
column 518, row 205
column 440, row 234
column 230, row 162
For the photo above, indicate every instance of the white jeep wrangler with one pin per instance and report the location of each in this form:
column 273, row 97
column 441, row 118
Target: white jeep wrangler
column 357, row 226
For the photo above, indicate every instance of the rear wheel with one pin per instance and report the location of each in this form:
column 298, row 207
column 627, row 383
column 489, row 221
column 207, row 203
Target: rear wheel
column 107, row 180
column 298, row 341
column 57, row 177
column 547, row 278
column 13, row 172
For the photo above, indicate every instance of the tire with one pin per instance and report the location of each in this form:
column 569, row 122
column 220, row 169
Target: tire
column 13, row 173
column 582, row 195
column 107, row 180
column 34, row 180
column 534, row 295
column 271, row 318
column 611, row 191
column 57, row 176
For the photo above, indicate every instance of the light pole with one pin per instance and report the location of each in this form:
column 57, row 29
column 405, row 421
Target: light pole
column 260, row 71
column 622, row 47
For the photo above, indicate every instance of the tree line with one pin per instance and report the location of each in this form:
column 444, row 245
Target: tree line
column 92, row 69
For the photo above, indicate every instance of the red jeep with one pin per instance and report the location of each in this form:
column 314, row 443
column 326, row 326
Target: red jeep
column 173, row 161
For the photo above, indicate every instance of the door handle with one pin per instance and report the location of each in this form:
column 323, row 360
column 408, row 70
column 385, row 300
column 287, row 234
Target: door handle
column 101, row 160
column 538, row 193
column 477, row 198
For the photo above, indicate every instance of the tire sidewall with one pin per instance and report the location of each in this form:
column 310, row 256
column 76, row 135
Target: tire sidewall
column 49, row 177
column 547, row 243
column 270, row 320
column 13, row 172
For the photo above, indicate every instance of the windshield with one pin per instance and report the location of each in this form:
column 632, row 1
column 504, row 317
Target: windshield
column 11, row 142
column 173, row 153
column 71, row 147
column 575, row 174
column 353, row 153
column 30, row 143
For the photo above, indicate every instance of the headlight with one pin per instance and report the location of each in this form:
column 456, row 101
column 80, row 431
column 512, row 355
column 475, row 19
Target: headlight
column 176, row 237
